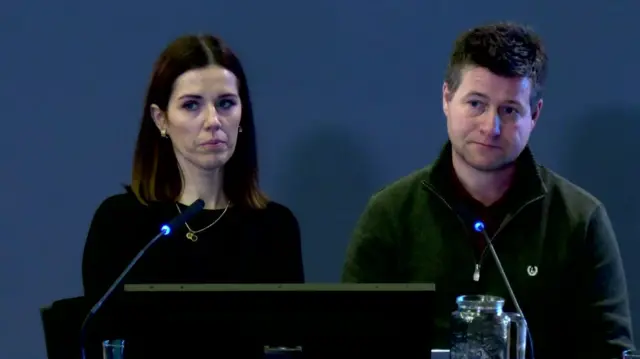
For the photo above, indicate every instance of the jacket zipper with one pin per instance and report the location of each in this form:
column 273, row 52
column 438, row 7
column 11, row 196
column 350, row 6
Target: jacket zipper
column 476, row 273
column 478, row 264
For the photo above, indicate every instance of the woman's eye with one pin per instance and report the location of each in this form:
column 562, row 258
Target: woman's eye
column 225, row 103
column 190, row 105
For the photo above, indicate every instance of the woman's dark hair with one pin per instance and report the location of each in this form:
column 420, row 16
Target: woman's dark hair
column 156, row 175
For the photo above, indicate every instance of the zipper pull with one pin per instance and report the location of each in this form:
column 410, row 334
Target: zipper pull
column 476, row 273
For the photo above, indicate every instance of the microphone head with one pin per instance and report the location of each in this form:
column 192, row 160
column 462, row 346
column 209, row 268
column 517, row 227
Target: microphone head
column 165, row 230
column 478, row 226
column 197, row 205
column 189, row 212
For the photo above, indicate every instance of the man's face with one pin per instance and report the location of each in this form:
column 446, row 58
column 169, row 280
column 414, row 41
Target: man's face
column 489, row 118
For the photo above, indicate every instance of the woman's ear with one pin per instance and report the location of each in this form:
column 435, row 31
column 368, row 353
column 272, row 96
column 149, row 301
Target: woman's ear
column 159, row 118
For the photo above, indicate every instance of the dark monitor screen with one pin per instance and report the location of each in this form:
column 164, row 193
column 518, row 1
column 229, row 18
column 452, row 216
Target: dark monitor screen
column 322, row 319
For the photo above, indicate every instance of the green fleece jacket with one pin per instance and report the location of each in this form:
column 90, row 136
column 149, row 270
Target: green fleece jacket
column 556, row 245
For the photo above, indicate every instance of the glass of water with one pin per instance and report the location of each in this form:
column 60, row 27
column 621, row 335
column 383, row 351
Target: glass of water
column 113, row 349
column 631, row 354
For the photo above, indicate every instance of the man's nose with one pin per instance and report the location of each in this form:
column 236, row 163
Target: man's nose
column 490, row 124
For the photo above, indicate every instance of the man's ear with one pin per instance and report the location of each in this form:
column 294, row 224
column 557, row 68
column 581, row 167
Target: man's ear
column 535, row 112
column 159, row 118
column 446, row 98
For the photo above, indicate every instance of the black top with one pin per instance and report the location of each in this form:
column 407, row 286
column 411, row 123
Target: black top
column 244, row 246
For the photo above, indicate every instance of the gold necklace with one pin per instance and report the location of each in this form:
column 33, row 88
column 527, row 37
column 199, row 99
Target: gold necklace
column 191, row 235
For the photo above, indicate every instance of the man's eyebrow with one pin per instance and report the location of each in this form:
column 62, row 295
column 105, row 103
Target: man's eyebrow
column 476, row 94
column 480, row 94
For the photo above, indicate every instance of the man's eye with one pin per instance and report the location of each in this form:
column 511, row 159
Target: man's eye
column 508, row 110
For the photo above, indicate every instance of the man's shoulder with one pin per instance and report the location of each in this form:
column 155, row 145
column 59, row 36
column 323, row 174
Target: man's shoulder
column 402, row 189
column 574, row 198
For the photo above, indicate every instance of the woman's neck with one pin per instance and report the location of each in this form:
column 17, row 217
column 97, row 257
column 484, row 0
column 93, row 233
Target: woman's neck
column 207, row 186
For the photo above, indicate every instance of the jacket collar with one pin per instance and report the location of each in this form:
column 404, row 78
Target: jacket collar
column 528, row 181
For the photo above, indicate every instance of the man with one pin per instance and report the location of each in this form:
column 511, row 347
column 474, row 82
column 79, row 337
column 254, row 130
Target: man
column 554, row 239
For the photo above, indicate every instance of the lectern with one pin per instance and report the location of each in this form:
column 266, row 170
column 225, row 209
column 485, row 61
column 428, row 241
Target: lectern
column 239, row 320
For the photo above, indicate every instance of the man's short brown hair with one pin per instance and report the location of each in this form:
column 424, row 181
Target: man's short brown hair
column 505, row 49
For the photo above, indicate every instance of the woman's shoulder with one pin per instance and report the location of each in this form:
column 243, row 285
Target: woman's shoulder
column 278, row 210
column 274, row 214
column 125, row 202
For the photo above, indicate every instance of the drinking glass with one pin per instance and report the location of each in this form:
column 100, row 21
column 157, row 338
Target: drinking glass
column 113, row 349
column 631, row 354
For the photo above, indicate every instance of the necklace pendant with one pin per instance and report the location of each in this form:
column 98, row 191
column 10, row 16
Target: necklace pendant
column 192, row 236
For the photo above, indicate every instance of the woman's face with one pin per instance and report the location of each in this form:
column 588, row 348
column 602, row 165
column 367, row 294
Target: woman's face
column 202, row 120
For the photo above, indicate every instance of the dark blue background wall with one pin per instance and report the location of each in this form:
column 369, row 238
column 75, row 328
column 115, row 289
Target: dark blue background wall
column 347, row 96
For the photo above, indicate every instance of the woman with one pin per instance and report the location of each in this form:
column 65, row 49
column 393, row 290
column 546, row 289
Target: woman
column 196, row 140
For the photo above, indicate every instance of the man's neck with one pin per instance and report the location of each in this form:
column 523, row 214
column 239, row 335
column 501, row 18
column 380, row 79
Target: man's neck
column 485, row 187
column 205, row 185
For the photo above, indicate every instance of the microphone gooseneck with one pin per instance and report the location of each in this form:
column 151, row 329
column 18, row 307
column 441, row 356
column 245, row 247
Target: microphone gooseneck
column 165, row 230
column 479, row 227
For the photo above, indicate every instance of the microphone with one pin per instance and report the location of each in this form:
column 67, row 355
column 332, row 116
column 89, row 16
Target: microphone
column 479, row 227
column 165, row 230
